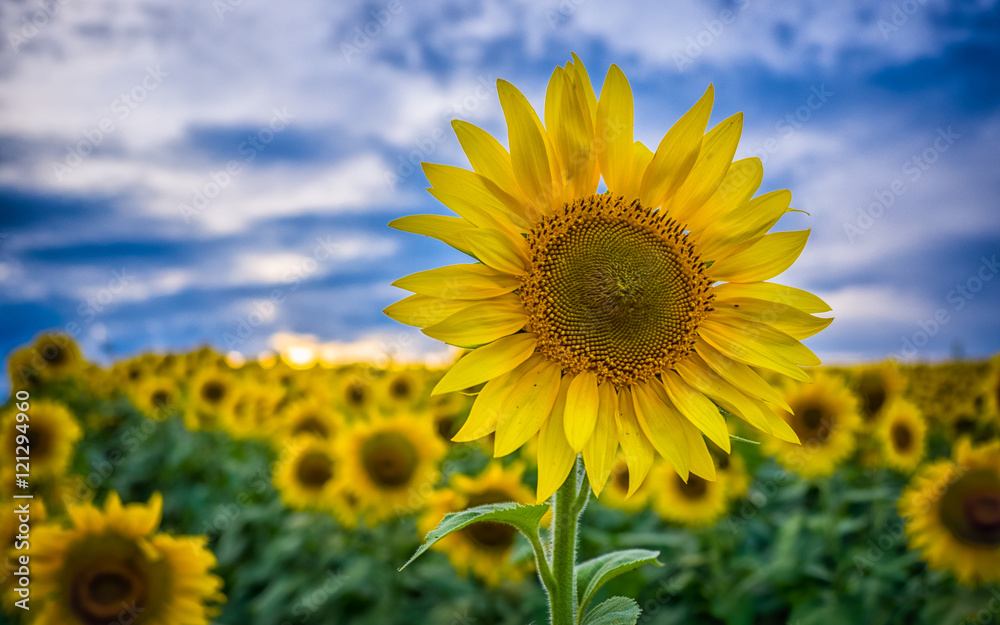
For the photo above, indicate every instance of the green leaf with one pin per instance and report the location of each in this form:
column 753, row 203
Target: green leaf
column 614, row 611
column 593, row 574
column 523, row 517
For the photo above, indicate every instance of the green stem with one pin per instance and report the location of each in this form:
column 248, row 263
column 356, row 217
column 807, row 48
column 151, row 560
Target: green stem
column 542, row 561
column 565, row 517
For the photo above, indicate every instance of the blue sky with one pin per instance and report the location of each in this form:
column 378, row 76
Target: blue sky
column 173, row 174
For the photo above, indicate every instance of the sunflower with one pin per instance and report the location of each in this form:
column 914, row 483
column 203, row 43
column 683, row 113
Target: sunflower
column 390, row 464
column 484, row 548
column 695, row 502
column 902, row 435
column 210, row 397
column 616, row 493
column 876, row 387
column 111, row 564
column 653, row 293
column 824, row 417
column 952, row 513
column 51, row 433
column 732, row 472
column 356, row 394
column 307, row 479
column 401, row 389
column 310, row 417
column 157, row 397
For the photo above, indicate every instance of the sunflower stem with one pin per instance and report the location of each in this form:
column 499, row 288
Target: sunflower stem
column 565, row 518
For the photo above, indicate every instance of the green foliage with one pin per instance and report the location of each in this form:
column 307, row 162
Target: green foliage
column 593, row 574
column 614, row 611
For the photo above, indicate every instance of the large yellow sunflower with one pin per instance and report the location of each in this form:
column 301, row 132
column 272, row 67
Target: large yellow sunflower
column 824, row 416
column 111, row 566
column 654, row 292
column 694, row 502
column 483, row 549
column 390, row 465
column 50, row 431
column 902, row 436
column 952, row 512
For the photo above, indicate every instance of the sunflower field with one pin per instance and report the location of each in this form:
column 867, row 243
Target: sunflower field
column 182, row 488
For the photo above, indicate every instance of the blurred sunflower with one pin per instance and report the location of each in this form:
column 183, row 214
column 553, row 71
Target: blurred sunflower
column 824, row 417
column 876, row 387
column 111, row 562
column 446, row 410
column 695, row 502
column 52, row 355
column 356, row 393
column 52, row 433
column 312, row 418
column 485, row 548
column 389, row 464
column 732, row 471
column 902, row 436
column 618, row 292
column 157, row 397
column 616, row 493
column 210, row 397
column 308, row 480
column 401, row 389
column 952, row 513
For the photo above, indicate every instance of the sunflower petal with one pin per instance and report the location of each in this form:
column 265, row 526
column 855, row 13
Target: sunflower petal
column 471, row 281
column 708, row 172
column 796, row 298
column 475, row 198
column 615, row 122
column 569, row 125
column 741, row 182
column 480, row 323
column 496, row 249
column 636, row 448
column 676, row 153
column 555, row 457
column 527, row 406
column 791, row 321
column 739, row 374
column 486, row 155
column 529, row 150
column 582, row 404
column 487, row 362
column 749, row 349
column 601, row 448
column 441, row 227
column 485, row 412
column 423, row 310
column 660, row 422
column 698, row 409
column 767, row 257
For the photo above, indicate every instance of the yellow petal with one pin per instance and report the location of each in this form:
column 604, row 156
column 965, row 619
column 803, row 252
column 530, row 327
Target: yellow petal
column 728, row 203
column 601, row 448
column 582, row 85
column 791, row 321
column 496, row 249
column 475, row 198
column 569, row 126
column 714, row 160
column 423, row 310
column 441, row 227
column 486, row 155
column 641, row 156
column 676, row 153
column 767, row 257
column 615, row 122
column 797, row 298
column 527, row 406
column 480, row 323
column 698, row 409
column 636, row 448
column 739, row 374
column 582, row 403
column 724, row 236
column 472, row 281
column 748, row 349
column 689, row 439
column 485, row 411
column 661, row 423
column 529, row 152
column 487, row 362
column 555, row 457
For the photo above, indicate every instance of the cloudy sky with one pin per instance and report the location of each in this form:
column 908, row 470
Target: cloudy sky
column 222, row 171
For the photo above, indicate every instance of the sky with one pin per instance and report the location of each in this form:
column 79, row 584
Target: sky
column 221, row 172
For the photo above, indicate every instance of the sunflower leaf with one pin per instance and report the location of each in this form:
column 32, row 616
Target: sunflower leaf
column 525, row 518
column 614, row 611
column 593, row 574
